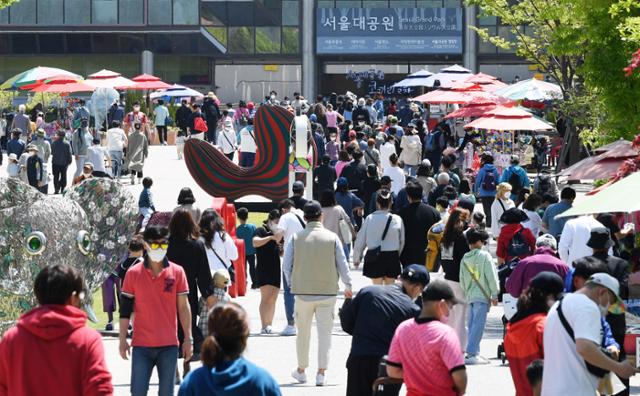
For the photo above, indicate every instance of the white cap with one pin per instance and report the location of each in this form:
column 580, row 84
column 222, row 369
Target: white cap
column 547, row 240
column 608, row 281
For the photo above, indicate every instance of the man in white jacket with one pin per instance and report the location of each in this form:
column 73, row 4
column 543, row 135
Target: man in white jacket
column 227, row 139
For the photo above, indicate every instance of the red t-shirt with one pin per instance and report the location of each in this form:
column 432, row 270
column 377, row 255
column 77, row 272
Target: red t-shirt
column 428, row 352
column 155, row 303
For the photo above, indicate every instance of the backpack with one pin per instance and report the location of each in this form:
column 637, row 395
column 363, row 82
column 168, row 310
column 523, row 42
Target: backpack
column 489, row 181
column 434, row 237
column 516, row 183
column 544, row 185
column 200, row 125
column 518, row 246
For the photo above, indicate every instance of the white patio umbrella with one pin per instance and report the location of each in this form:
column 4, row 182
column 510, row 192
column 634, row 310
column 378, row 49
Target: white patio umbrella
column 532, row 89
column 108, row 79
column 417, row 79
column 177, row 91
column 449, row 75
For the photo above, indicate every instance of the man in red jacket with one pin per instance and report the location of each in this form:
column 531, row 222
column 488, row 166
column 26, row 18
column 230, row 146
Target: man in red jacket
column 69, row 356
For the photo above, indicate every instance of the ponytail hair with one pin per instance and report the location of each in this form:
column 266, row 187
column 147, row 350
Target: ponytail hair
column 228, row 334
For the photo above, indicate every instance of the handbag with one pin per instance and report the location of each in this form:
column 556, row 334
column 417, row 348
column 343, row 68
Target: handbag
column 345, row 231
column 373, row 254
column 230, row 268
column 594, row 370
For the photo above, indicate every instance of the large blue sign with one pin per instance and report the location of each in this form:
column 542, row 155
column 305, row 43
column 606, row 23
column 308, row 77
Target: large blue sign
column 389, row 31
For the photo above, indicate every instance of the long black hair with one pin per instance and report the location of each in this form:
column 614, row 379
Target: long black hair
column 452, row 229
column 210, row 224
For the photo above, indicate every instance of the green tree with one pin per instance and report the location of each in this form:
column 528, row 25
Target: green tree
column 6, row 3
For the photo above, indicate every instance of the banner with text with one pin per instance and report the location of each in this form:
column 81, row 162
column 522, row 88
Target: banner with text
column 389, row 30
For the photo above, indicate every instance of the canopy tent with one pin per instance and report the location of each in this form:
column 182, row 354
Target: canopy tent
column 177, row 91
column 612, row 199
column 147, row 82
column 417, row 79
column 603, row 165
column 504, row 118
column 532, row 89
column 448, row 75
column 108, row 79
column 29, row 79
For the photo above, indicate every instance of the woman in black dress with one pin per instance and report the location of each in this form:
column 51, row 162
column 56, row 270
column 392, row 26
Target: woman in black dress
column 268, row 250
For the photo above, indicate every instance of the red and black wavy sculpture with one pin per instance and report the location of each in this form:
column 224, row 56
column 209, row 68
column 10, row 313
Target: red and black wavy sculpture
column 269, row 177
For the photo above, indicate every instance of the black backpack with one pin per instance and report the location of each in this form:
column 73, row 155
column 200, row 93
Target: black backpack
column 489, row 181
column 544, row 185
column 516, row 183
column 518, row 246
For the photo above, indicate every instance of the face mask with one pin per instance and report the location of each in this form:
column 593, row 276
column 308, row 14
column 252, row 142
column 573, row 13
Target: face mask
column 84, row 124
column 604, row 309
column 157, row 254
column 136, row 108
column 361, row 123
column 273, row 97
column 506, row 195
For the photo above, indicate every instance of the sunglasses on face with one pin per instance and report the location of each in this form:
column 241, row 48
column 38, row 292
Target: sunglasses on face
column 159, row 245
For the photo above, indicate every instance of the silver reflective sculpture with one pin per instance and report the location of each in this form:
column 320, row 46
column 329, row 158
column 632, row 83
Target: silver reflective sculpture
column 88, row 228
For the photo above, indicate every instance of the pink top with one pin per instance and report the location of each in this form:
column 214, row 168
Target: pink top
column 155, row 303
column 332, row 119
column 428, row 352
column 340, row 166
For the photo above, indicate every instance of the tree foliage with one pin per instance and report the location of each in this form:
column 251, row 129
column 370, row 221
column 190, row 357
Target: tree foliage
column 584, row 46
column 6, row 3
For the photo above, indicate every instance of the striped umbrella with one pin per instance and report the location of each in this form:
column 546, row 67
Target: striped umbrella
column 32, row 77
column 269, row 177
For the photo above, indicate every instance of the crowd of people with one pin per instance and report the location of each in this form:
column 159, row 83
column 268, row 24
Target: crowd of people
column 391, row 197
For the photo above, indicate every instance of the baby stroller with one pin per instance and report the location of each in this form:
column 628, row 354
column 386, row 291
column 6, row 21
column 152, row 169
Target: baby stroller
column 509, row 303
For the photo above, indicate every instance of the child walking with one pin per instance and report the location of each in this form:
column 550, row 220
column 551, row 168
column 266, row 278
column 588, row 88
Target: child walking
column 145, row 202
column 246, row 232
column 479, row 282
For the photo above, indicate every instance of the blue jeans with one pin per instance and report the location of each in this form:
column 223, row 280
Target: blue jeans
column 116, row 163
column 346, row 247
column 477, row 318
column 247, row 159
column 142, row 362
column 289, row 302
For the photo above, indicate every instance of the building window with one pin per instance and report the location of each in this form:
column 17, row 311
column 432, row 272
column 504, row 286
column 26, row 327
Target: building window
column 185, row 12
column 213, row 13
column 375, row 4
column 50, row 12
column 159, row 12
column 290, row 40
column 290, row 13
column 268, row 40
column 241, row 40
column 76, row 12
column 240, row 13
column 4, row 16
column 131, row 12
column 268, row 14
column 23, row 12
column 51, row 43
column 104, row 12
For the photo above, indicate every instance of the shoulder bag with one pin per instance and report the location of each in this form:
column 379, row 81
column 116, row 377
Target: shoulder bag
column 477, row 281
column 373, row 254
column 594, row 370
column 230, row 268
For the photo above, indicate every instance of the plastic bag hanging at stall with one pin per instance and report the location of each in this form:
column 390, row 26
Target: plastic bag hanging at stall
column 101, row 99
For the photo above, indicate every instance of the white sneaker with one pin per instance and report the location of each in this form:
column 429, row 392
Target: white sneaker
column 267, row 330
column 289, row 331
column 320, row 379
column 475, row 360
column 298, row 376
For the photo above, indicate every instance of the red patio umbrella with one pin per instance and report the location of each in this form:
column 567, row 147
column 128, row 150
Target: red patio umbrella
column 64, row 87
column 108, row 79
column 147, row 82
column 459, row 97
column 595, row 167
column 471, row 110
column 487, row 82
column 504, row 118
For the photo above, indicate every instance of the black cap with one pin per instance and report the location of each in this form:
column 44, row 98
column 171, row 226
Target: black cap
column 312, row 209
column 548, row 282
column 600, row 238
column 439, row 290
column 298, row 186
column 466, row 204
column 384, row 180
column 416, row 273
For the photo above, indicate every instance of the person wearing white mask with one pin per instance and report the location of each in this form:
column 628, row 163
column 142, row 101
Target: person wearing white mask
column 156, row 291
column 227, row 141
column 502, row 203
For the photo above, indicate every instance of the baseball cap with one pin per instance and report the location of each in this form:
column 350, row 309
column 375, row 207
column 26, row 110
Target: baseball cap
column 342, row 181
column 312, row 209
column 40, row 132
column 416, row 273
column 547, row 240
column 384, row 180
column 31, row 147
column 611, row 283
column 313, row 118
column 13, row 157
column 515, row 159
column 426, row 162
column 439, row 290
column 297, row 186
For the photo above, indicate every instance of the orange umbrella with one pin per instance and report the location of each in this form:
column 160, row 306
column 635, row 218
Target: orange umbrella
column 147, row 81
column 504, row 118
